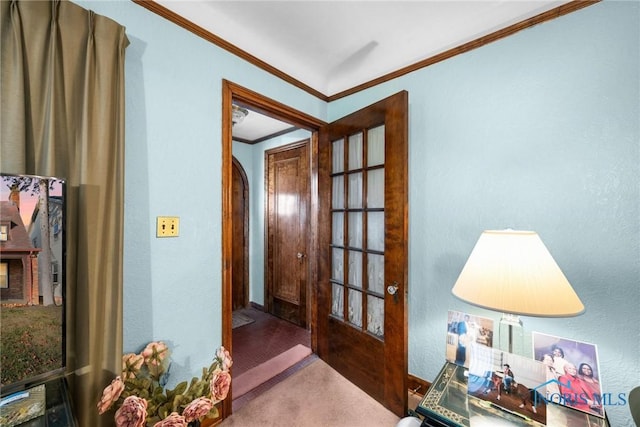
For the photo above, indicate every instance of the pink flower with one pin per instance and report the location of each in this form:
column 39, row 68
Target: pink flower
column 220, row 384
column 154, row 354
column 197, row 409
column 224, row 358
column 131, row 364
column 132, row 413
column 110, row 394
column 155, row 351
column 173, row 420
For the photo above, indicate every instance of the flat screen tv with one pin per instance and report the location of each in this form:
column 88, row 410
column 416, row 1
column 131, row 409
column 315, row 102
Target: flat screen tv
column 32, row 280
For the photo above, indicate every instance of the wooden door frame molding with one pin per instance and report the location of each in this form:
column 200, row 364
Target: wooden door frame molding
column 233, row 93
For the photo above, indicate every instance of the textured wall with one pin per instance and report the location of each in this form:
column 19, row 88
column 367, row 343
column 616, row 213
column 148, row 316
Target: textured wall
column 539, row 131
column 172, row 286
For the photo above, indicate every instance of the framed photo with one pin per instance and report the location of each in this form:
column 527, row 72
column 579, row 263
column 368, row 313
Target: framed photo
column 509, row 381
column 572, row 372
column 465, row 333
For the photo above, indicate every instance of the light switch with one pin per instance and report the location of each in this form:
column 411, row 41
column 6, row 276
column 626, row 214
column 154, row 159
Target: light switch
column 167, row 226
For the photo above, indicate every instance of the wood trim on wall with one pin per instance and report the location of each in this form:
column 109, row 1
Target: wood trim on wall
column 266, row 137
column 158, row 9
column 418, row 385
column 250, row 99
column 474, row 44
column 227, row 230
column 557, row 12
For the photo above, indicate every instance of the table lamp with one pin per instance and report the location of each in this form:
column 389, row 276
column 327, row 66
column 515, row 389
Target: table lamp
column 512, row 272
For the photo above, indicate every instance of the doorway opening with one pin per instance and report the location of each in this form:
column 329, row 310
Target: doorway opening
column 243, row 341
column 357, row 268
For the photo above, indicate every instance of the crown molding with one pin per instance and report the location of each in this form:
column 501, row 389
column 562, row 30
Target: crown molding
column 474, row 44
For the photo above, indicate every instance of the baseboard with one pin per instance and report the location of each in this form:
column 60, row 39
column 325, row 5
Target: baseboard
column 256, row 306
column 417, row 385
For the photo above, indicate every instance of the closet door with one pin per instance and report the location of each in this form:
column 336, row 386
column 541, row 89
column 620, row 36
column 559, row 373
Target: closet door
column 287, row 233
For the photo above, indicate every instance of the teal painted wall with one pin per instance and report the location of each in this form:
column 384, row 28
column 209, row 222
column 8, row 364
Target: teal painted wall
column 537, row 131
column 172, row 286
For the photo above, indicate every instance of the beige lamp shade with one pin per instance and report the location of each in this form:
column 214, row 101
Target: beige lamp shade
column 513, row 272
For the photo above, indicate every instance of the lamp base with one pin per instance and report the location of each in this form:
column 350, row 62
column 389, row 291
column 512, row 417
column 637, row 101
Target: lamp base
column 511, row 334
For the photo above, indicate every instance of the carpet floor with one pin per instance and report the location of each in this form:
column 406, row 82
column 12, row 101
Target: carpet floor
column 314, row 396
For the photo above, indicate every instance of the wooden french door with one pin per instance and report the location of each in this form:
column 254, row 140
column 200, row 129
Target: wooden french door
column 362, row 282
column 287, row 231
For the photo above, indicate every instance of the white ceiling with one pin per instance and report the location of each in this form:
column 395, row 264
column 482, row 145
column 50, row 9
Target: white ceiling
column 334, row 46
column 256, row 126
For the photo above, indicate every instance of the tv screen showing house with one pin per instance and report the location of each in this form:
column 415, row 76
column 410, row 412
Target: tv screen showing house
column 32, row 280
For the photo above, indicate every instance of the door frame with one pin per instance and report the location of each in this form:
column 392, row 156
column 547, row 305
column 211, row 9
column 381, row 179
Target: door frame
column 233, row 93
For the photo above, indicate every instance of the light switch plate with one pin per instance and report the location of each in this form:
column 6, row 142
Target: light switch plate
column 167, row 226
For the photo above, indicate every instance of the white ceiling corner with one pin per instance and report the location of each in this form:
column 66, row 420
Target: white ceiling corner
column 334, row 46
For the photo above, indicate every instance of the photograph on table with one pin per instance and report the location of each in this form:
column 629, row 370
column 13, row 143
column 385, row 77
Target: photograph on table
column 464, row 333
column 572, row 372
column 509, row 381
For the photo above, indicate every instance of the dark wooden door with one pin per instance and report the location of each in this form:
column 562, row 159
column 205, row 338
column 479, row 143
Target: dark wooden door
column 240, row 250
column 287, row 205
column 362, row 280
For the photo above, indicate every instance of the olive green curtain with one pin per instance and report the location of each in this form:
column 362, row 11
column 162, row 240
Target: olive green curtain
column 62, row 114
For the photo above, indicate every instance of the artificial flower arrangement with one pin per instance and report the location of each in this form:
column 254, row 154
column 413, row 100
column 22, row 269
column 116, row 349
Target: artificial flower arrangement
column 142, row 400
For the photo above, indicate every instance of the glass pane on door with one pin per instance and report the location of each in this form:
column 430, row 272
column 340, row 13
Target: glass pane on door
column 375, row 146
column 355, row 229
column 338, row 156
column 358, row 188
column 337, row 263
column 337, row 192
column 375, row 188
column 355, row 151
column 355, row 269
column 337, row 303
column 337, row 229
column 375, row 272
column 375, row 231
column 355, row 307
column 355, row 190
column 375, row 315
